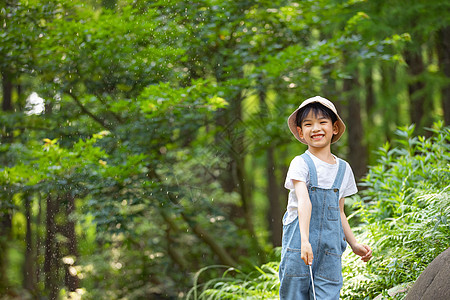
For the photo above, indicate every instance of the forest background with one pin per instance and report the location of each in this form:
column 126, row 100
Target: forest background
column 161, row 144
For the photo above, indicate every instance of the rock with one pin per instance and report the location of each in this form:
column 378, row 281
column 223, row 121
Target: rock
column 434, row 282
column 399, row 289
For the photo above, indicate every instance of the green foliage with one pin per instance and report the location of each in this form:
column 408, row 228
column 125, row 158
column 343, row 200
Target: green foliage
column 416, row 164
column 86, row 51
column 234, row 284
column 406, row 212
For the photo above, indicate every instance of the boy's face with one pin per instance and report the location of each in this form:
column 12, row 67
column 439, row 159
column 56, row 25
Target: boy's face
column 317, row 130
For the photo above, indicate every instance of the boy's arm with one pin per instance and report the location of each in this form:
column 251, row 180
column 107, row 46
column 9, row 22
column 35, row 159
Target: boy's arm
column 359, row 249
column 304, row 217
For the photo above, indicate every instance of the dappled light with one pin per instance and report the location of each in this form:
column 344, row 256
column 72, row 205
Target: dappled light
column 34, row 104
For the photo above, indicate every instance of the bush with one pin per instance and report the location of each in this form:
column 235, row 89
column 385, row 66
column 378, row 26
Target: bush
column 406, row 213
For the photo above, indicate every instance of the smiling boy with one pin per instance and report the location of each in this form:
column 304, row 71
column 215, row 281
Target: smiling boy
column 315, row 227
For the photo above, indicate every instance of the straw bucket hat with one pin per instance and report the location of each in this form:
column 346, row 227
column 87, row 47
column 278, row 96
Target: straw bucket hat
column 325, row 102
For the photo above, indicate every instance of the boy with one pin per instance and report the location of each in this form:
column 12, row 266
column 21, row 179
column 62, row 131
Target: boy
column 315, row 228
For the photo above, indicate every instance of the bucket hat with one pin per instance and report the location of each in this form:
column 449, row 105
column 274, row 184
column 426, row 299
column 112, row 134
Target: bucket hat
column 325, row 102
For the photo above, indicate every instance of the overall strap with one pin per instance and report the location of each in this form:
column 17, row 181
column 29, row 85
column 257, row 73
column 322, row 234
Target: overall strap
column 340, row 174
column 312, row 169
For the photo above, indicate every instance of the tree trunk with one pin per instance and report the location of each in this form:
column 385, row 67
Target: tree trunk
column 370, row 105
column 71, row 281
column 233, row 146
column 7, row 91
column 28, row 268
column 21, row 100
column 245, row 192
column 226, row 177
column 443, row 47
column 370, row 94
column 357, row 150
column 272, row 186
column 389, row 106
column 38, row 238
column 239, row 150
column 273, row 193
column 7, row 104
column 51, row 252
column 5, row 236
column 415, row 86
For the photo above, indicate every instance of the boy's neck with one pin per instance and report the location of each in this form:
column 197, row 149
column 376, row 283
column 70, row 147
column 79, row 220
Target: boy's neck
column 323, row 154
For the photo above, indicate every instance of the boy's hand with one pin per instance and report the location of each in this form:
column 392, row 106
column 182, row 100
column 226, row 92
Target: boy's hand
column 307, row 253
column 362, row 250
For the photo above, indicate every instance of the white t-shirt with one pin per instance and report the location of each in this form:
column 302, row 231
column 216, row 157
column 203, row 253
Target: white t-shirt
column 326, row 174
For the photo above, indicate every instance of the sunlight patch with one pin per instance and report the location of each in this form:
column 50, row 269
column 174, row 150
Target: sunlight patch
column 34, row 105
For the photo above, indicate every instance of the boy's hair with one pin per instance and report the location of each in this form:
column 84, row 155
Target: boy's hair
column 317, row 109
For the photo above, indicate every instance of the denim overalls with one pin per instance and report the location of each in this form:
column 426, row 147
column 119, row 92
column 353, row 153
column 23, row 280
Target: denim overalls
column 327, row 240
